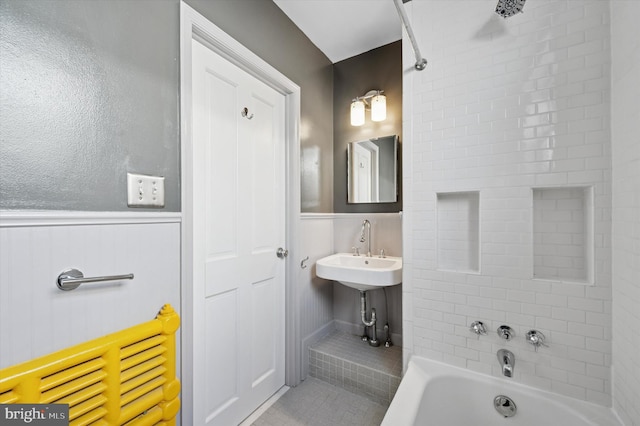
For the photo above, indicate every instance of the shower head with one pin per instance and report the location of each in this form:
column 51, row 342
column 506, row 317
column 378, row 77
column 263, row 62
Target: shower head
column 508, row 8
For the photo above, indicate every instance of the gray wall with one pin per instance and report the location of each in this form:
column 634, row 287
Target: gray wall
column 379, row 68
column 90, row 90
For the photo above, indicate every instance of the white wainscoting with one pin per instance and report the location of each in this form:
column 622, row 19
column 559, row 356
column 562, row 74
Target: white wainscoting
column 37, row 318
column 316, row 294
column 327, row 305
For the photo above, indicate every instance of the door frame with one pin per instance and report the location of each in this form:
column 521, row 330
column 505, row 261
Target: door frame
column 195, row 26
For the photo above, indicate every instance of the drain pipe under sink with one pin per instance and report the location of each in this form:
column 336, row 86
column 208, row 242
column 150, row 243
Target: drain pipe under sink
column 373, row 341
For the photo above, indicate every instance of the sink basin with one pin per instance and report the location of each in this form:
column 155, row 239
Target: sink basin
column 361, row 272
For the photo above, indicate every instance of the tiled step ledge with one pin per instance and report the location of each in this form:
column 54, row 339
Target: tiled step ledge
column 365, row 381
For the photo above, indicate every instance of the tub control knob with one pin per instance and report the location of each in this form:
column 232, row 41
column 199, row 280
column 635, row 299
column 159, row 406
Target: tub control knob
column 478, row 328
column 506, row 332
column 536, row 338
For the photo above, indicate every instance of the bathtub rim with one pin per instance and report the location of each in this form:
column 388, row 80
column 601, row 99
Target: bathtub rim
column 421, row 369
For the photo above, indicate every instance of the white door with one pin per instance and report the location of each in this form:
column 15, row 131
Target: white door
column 239, row 211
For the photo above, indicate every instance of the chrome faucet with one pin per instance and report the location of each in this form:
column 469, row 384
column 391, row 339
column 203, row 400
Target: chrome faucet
column 536, row 338
column 366, row 226
column 507, row 361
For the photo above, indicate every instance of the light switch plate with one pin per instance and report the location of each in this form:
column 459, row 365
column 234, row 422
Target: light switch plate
column 145, row 191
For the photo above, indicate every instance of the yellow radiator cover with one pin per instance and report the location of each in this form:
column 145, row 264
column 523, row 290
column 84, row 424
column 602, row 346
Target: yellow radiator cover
column 123, row 378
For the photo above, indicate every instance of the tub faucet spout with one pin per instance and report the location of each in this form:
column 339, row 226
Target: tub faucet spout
column 507, row 370
column 507, row 361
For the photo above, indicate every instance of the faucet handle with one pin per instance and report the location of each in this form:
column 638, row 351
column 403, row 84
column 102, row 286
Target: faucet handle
column 505, row 332
column 536, row 338
column 356, row 251
column 478, row 328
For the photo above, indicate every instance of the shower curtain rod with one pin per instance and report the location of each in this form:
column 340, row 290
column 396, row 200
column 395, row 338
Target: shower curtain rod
column 421, row 63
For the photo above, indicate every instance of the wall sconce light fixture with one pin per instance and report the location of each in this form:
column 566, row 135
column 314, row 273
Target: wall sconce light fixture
column 378, row 103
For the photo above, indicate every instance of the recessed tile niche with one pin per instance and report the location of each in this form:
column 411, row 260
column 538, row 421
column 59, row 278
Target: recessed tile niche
column 563, row 234
column 459, row 231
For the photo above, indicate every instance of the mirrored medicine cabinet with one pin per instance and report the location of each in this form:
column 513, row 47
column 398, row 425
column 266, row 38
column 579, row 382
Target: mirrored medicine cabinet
column 372, row 170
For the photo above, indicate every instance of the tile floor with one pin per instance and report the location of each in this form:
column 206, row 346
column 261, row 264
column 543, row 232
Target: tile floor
column 350, row 384
column 317, row 403
column 344, row 360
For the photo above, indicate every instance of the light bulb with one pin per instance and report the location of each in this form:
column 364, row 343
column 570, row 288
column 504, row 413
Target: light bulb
column 357, row 113
column 378, row 108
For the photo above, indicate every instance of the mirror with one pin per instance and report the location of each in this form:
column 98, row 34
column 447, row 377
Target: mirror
column 372, row 170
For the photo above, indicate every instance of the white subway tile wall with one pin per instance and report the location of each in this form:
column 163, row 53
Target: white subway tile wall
column 505, row 106
column 459, row 231
column 626, row 208
column 562, row 233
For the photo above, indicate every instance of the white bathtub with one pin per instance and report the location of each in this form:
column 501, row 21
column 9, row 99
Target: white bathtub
column 436, row 394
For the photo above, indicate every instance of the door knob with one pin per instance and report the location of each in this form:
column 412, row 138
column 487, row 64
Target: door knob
column 282, row 253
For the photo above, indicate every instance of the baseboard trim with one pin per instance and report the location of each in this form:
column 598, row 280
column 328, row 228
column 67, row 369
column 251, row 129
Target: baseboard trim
column 31, row 218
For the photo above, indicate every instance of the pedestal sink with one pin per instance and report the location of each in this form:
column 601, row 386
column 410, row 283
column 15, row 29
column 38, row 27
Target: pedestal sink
column 361, row 272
